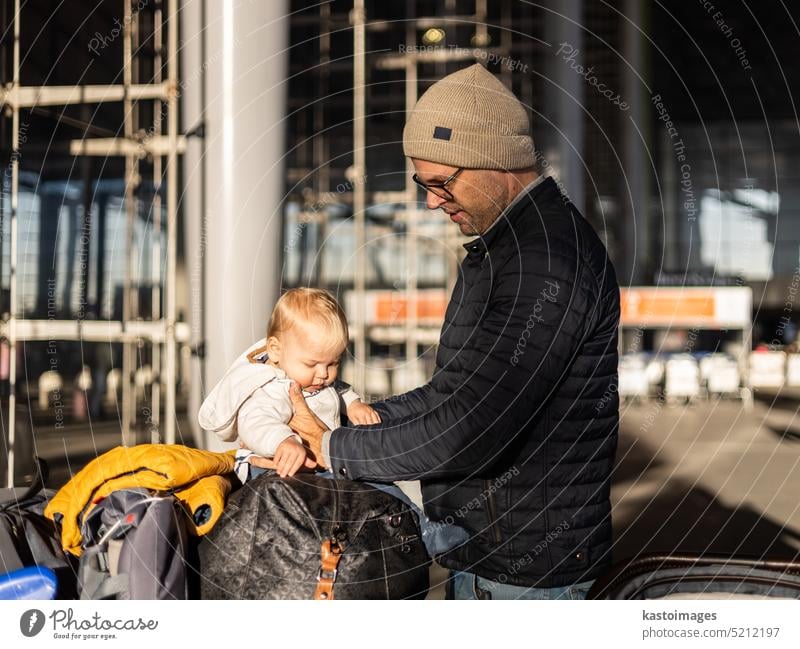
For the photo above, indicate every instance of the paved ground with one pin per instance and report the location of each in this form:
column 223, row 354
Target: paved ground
column 706, row 477
column 709, row 477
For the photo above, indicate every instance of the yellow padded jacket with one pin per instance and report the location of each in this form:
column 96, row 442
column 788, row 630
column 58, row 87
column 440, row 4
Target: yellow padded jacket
column 196, row 478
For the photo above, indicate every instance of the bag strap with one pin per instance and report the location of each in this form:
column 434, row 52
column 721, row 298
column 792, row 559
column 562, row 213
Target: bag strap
column 110, row 588
column 40, row 477
column 97, row 579
column 330, row 554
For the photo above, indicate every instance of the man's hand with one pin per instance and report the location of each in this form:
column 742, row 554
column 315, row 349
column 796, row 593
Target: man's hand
column 306, row 424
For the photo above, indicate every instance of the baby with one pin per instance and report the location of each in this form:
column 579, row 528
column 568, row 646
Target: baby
column 306, row 338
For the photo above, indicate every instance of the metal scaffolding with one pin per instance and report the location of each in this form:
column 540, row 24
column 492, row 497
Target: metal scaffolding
column 162, row 330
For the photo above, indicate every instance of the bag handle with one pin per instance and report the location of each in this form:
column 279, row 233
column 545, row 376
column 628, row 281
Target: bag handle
column 330, row 554
column 39, row 480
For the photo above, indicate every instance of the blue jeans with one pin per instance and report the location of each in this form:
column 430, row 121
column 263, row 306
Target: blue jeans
column 465, row 585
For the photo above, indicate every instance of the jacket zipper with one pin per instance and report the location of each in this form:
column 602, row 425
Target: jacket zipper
column 491, row 510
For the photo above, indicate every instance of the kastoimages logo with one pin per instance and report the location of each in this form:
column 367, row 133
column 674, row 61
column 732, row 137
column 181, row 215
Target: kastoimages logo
column 31, row 622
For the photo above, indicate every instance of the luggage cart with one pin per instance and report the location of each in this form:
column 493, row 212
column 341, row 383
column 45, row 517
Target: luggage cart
column 681, row 379
column 634, row 384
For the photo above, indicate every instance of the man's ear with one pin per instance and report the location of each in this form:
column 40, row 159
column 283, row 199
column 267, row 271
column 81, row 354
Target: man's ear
column 274, row 349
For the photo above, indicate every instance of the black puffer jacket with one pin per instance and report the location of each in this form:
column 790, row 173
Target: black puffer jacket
column 515, row 434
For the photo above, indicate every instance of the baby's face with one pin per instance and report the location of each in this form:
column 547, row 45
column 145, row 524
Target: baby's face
column 308, row 359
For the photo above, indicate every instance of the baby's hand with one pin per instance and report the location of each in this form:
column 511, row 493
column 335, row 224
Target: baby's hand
column 361, row 414
column 289, row 457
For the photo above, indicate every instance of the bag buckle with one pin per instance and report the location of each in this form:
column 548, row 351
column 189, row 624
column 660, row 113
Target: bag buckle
column 327, row 574
column 330, row 553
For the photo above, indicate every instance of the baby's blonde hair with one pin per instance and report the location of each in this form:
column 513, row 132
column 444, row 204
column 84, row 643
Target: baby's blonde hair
column 314, row 306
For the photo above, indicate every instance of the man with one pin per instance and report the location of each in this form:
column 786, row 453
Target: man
column 514, row 436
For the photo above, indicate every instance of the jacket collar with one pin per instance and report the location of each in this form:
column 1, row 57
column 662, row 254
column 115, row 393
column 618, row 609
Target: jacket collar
column 511, row 214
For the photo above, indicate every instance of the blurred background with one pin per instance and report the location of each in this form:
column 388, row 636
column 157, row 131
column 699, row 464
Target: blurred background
column 170, row 166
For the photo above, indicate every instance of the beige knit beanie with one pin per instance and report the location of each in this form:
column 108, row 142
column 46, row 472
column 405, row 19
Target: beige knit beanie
column 470, row 119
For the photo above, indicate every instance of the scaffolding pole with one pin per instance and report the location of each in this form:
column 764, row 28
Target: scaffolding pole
column 412, row 218
column 358, row 18
column 155, row 266
column 131, row 179
column 12, row 312
column 172, row 219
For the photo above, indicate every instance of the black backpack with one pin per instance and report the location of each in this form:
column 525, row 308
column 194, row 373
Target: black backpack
column 28, row 538
column 309, row 537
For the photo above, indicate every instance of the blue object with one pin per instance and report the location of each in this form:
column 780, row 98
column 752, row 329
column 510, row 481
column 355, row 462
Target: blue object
column 28, row 583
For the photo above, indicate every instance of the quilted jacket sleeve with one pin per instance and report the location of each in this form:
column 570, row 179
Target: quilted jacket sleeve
column 531, row 331
column 410, row 403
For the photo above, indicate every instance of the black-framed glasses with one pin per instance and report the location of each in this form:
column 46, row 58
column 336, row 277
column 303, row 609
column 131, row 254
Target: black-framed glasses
column 438, row 189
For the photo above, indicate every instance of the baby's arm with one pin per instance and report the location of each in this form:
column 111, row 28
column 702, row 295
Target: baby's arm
column 263, row 420
column 361, row 413
column 357, row 411
column 289, row 457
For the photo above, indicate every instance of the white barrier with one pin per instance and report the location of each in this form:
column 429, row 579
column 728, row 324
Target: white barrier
column 49, row 382
column 767, row 369
column 681, row 377
column 793, row 370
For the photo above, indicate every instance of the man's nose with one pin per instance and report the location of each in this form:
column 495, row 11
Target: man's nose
column 432, row 201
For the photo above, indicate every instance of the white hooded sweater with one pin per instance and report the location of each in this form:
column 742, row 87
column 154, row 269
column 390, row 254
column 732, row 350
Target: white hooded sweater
column 251, row 403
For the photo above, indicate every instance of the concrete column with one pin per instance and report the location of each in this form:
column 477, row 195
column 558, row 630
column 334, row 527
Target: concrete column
column 235, row 66
column 562, row 142
column 635, row 189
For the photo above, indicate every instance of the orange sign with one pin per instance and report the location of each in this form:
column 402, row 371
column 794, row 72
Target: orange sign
column 693, row 307
column 393, row 308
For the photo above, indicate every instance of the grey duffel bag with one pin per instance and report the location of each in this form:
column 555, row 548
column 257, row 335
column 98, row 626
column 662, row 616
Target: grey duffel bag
column 309, row 537
column 135, row 546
